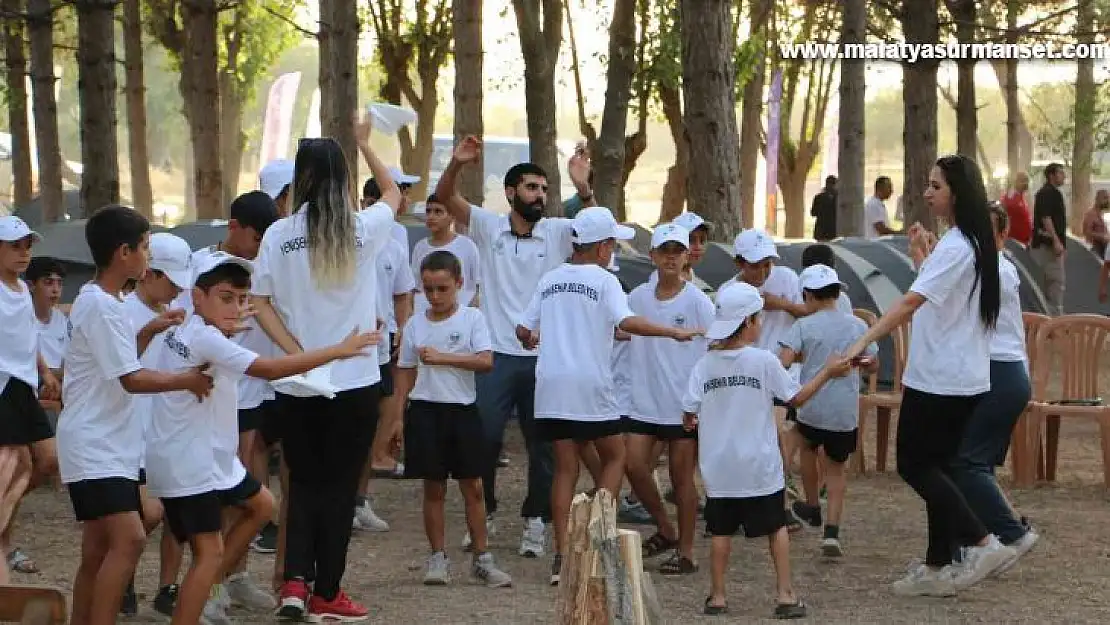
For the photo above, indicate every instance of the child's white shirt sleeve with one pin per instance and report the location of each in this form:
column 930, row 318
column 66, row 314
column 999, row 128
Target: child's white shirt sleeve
column 403, row 279
column 480, row 339
column 615, row 301
column 211, row 346
column 112, row 342
column 778, row 380
column 695, row 389
column 408, row 358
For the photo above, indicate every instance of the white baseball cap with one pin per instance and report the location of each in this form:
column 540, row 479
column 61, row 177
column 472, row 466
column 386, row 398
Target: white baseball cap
column 13, row 229
column 667, row 233
column 400, row 177
column 691, row 221
column 735, row 304
column 215, row 259
column 597, row 223
column 755, row 245
column 171, row 255
column 275, row 176
column 819, row 276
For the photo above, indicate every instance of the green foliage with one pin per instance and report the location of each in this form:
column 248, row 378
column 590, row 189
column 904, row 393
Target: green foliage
column 1051, row 118
column 258, row 37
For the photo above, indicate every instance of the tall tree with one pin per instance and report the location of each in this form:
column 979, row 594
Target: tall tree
column 16, row 94
column 414, row 46
column 967, row 116
column 96, row 61
column 540, row 30
column 666, row 69
column 1085, row 105
column 708, row 43
column 142, row 194
column 751, row 130
column 852, row 125
column 920, row 25
column 204, row 96
column 339, row 22
column 467, row 16
column 40, row 23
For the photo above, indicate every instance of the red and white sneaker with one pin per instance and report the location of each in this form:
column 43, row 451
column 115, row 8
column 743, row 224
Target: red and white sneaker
column 341, row 609
column 292, row 599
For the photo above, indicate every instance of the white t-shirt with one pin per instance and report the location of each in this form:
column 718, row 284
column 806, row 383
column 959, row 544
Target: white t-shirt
column 99, row 435
column 19, row 337
column 660, row 367
column 464, row 332
column 139, row 314
column 400, row 234
column 465, row 250
column 844, row 303
column 1008, row 337
column 622, row 376
column 576, row 308
column 733, row 394
column 54, row 338
column 776, row 324
column 512, row 267
column 317, row 317
column 191, row 444
column 874, row 211
column 394, row 278
column 949, row 348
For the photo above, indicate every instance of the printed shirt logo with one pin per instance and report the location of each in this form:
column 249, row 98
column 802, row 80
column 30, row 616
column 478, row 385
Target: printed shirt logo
column 714, row 384
column 499, row 246
column 680, row 321
column 297, row 244
column 571, row 287
column 176, row 345
column 453, row 339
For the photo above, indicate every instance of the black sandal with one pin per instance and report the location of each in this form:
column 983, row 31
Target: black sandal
column 714, row 610
column 678, row 564
column 658, row 544
column 794, row 610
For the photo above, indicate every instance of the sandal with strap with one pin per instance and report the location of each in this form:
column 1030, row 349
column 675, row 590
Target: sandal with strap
column 658, row 544
column 20, row 562
column 790, row 610
column 714, row 610
column 678, row 564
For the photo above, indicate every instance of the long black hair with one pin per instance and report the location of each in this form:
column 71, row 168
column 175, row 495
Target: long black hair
column 971, row 214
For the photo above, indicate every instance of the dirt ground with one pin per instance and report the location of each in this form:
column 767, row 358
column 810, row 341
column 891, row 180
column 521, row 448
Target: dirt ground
column 1066, row 579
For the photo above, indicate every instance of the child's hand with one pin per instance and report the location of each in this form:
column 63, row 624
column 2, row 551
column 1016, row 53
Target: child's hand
column 689, row 421
column 682, row 336
column 528, row 338
column 165, row 320
column 199, row 382
column 50, row 388
column 355, row 343
column 838, row 365
column 430, row 355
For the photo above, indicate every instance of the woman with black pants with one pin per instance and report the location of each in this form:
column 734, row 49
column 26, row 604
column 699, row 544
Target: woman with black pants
column 314, row 285
column 954, row 303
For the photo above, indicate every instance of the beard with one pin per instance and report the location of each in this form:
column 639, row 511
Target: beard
column 530, row 212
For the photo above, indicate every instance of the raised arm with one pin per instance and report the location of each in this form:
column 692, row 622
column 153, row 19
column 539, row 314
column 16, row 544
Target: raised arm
column 467, row 152
column 391, row 193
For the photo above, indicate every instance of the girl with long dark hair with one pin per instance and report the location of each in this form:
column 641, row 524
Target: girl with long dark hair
column 954, row 305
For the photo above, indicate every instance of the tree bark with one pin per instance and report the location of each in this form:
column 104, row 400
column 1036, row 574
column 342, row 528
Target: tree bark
column 707, row 75
column 96, row 61
column 851, row 182
column 337, row 118
column 967, row 116
column 674, row 189
column 18, row 121
column 325, row 68
column 919, row 94
column 1010, row 92
column 232, row 139
column 40, row 21
column 416, row 151
column 1083, row 147
column 201, row 47
column 467, row 15
column 142, row 194
column 540, row 29
column 609, row 158
column 751, row 136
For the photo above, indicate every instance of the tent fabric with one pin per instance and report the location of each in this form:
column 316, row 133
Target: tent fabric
column 32, row 212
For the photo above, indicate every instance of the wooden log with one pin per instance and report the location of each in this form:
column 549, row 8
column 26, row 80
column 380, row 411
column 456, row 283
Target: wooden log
column 32, row 604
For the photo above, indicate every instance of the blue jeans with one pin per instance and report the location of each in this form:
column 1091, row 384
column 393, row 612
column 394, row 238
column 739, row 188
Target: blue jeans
column 512, row 385
column 985, row 442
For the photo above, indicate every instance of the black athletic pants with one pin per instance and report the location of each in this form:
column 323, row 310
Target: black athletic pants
column 326, row 443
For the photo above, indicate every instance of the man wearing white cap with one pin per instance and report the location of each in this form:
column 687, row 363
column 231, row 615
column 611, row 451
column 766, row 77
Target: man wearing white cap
column 372, row 193
column 276, row 181
column 576, row 307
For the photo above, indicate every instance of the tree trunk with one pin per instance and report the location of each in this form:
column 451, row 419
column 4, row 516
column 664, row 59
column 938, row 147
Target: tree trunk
column 201, row 47
column 710, row 105
column 96, row 61
column 1010, row 93
column 1083, row 147
column 851, row 184
column 674, row 189
column 467, row 16
column 40, row 21
column 142, row 194
column 232, row 139
column 325, row 69
column 609, row 158
column 919, row 94
column 752, row 117
column 18, row 121
column 967, row 117
column 540, row 28
column 416, row 152
column 337, row 119
column 793, row 189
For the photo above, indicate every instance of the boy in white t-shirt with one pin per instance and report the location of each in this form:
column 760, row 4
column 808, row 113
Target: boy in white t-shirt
column 738, row 449
column 100, row 437
column 576, row 307
column 442, row 236
column 192, row 459
column 46, row 276
column 659, row 370
column 441, row 350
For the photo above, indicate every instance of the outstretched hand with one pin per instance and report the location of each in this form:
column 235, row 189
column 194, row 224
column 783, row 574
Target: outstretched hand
column 356, row 342
column 468, row 150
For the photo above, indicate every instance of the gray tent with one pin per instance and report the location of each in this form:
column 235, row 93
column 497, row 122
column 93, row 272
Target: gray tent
column 32, row 211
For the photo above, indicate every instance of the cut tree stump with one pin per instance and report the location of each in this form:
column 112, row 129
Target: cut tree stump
column 32, row 605
column 602, row 581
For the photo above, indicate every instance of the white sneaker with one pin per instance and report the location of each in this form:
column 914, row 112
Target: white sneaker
column 467, row 543
column 437, row 570
column 367, row 521
column 215, row 609
column 533, row 540
column 982, row 561
column 486, row 570
column 242, row 591
column 922, row 581
column 1021, row 547
column 830, row 548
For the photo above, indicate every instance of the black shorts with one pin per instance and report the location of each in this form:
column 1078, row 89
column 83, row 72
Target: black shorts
column 838, row 445
column 632, row 425
column 96, row 499
column 273, row 420
column 791, row 411
column 444, row 440
column 203, row 513
column 251, row 419
column 387, row 379
column 22, row 418
column 577, row 431
column 142, row 477
column 759, row 516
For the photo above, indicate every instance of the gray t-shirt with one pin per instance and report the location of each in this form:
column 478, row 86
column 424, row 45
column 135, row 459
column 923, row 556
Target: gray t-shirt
column 835, row 406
